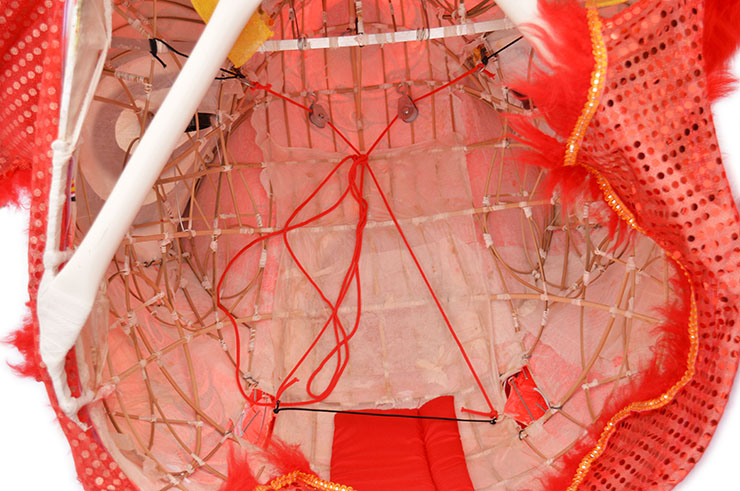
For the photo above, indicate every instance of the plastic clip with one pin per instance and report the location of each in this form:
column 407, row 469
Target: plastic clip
column 481, row 56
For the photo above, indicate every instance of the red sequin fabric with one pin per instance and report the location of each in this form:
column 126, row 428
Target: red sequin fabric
column 31, row 47
column 653, row 139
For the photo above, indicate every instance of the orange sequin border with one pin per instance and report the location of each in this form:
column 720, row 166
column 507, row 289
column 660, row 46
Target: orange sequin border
column 615, row 202
column 596, row 89
column 299, row 477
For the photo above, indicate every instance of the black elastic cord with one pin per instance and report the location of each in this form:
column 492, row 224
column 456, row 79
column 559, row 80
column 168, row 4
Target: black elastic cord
column 508, row 45
column 278, row 409
column 485, row 57
column 170, row 47
column 153, row 51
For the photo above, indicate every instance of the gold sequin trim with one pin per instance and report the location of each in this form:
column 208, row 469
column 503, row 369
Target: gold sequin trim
column 644, row 406
column 298, row 477
column 598, row 77
column 608, row 3
column 613, row 200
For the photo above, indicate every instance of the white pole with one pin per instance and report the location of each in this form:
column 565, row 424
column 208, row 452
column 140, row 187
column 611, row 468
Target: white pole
column 65, row 300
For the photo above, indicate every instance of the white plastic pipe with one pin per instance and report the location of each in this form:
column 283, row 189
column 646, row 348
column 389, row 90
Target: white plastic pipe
column 65, row 300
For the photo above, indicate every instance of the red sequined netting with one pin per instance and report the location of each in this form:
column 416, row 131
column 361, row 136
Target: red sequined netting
column 31, row 47
column 653, row 139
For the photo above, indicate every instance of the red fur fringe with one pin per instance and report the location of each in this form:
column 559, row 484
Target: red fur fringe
column 24, row 341
column 721, row 40
column 558, row 90
column 671, row 352
column 15, row 181
column 282, row 457
column 240, row 477
column 287, row 458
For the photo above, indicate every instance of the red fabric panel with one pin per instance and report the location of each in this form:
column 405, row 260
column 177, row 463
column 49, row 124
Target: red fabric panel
column 443, row 446
column 371, row 453
column 389, row 454
column 524, row 402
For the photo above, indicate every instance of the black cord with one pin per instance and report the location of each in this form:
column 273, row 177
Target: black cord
column 170, row 47
column 508, row 45
column 153, row 51
column 278, row 409
column 485, row 57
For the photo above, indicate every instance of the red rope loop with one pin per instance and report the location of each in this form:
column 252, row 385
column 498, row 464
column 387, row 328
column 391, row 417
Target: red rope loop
column 354, row 189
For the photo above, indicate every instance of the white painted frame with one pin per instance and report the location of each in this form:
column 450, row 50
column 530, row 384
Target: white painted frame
column 66, row 296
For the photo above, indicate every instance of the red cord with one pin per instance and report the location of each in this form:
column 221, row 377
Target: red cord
column 244, row 249
column 451, row 82
column 355, row 187
column 431, row 291
column 268, row 88
column 341, row 336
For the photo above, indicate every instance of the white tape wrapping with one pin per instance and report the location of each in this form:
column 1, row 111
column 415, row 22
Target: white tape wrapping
column 65, row 300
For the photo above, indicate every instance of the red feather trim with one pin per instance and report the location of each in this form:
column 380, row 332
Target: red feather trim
column 24, row 340
column 721, row 40
column 15, row 181
column 558, row 90
column 282, row 457
column 287, row 458
column 240, row 476
column 672, row 350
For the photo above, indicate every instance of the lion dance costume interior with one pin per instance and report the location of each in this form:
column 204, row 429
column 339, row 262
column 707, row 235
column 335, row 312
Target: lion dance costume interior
column 375, row 244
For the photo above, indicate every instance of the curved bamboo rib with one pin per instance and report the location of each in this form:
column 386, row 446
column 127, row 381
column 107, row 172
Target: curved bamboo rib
column 155, row 286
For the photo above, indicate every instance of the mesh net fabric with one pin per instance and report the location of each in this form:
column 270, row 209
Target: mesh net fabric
column 541, row 287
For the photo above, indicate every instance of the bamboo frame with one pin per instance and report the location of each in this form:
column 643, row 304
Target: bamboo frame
column 152, row 287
